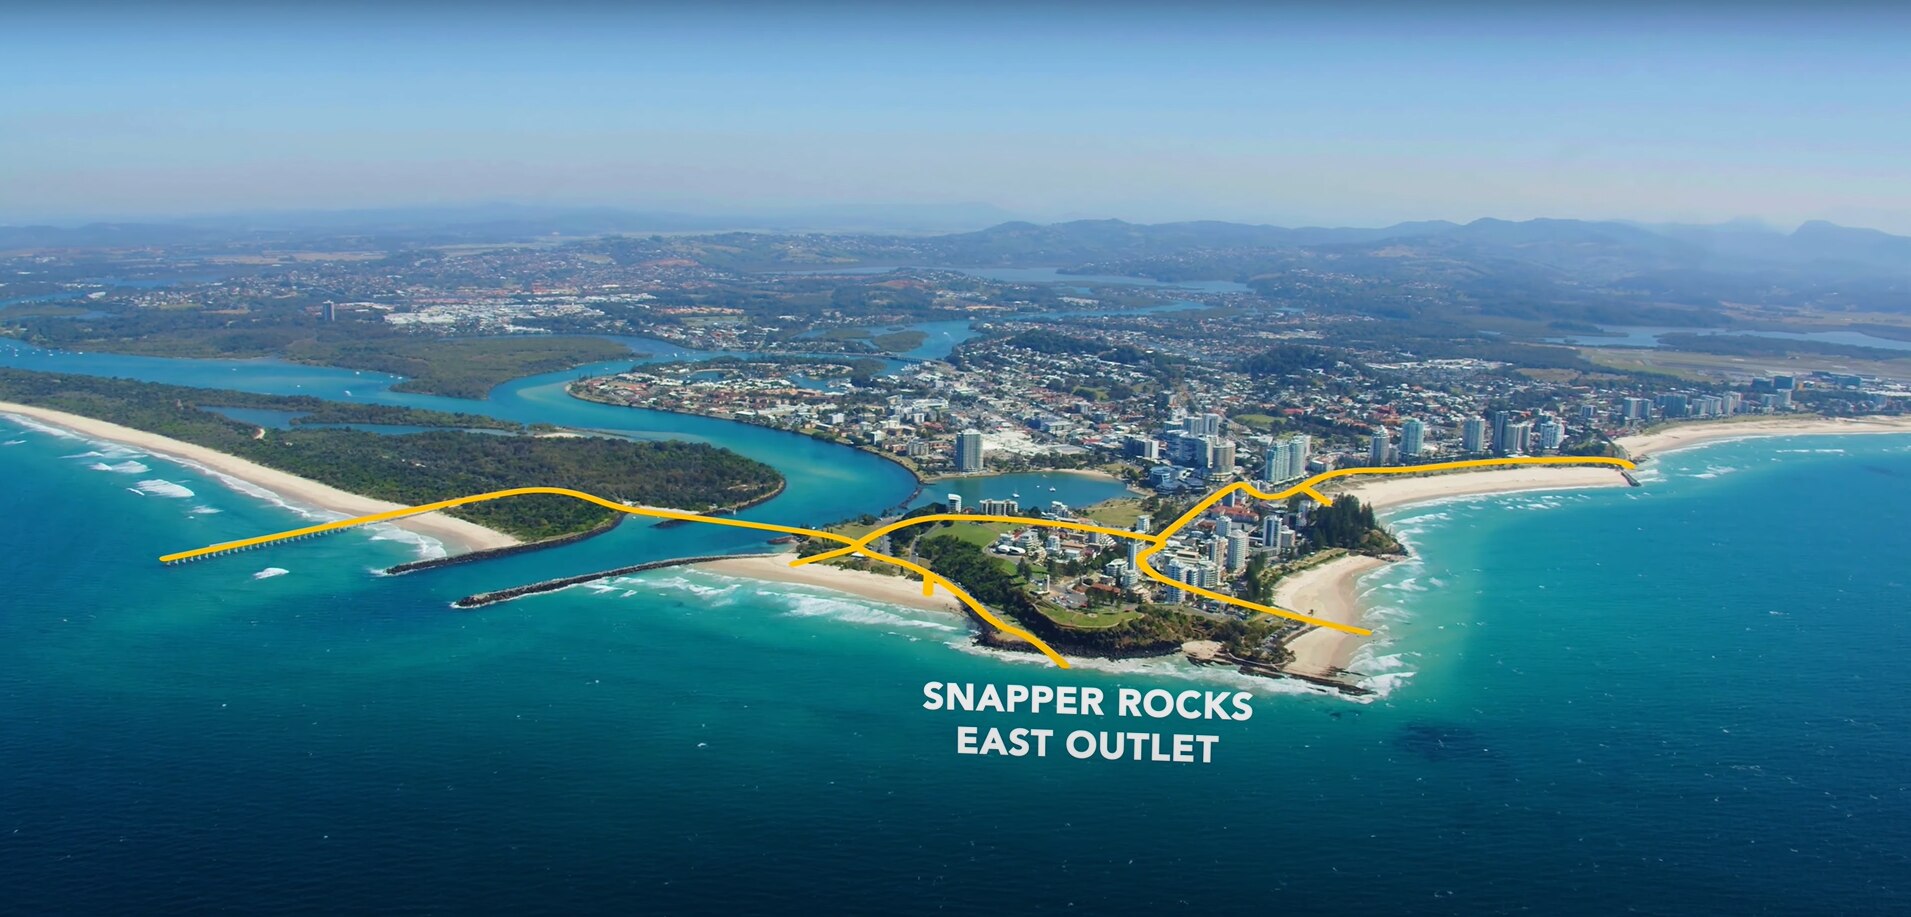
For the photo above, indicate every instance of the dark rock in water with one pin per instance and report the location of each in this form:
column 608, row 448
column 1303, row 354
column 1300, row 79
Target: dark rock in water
column 1444, row 743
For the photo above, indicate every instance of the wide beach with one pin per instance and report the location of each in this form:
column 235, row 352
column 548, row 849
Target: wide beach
column 1330, row 589
column 895, row 590
column 1682, row 435
column 1325, row 591
column 456, row 534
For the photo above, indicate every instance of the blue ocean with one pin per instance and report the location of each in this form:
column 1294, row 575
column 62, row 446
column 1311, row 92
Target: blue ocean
column 1688, row 697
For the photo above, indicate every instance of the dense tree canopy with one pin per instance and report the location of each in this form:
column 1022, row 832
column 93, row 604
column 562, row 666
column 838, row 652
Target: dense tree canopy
column 420, row 467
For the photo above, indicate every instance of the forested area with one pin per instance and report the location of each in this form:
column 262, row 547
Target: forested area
column 420, row 467
column 456, row 367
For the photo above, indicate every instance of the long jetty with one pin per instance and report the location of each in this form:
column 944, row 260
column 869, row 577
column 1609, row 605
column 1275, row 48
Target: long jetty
column 552, row 585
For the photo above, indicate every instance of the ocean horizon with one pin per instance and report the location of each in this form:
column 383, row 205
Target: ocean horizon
column 1656, row 699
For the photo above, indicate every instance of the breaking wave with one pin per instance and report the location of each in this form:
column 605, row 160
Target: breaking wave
column 425, row 546
column 681, row 583
column 38, row 427
column 270, row 572
column 1175, row 666
column 816, row 606
column 160, row 487
column 127, row 467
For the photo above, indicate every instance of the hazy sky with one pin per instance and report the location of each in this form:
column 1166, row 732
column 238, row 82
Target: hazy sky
column 1368, row 116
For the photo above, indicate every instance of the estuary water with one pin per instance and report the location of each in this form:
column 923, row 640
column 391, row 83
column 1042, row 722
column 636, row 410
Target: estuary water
column 1682, row 698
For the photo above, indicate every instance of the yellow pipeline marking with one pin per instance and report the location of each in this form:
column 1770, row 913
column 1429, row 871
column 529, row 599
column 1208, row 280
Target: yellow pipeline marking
column 496, row 495
column 1157, row 542
column 858, row 544
column 929, row 582
column 931, row 579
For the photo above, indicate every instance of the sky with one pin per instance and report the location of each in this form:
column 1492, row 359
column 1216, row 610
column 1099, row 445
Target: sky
column 1368, row 115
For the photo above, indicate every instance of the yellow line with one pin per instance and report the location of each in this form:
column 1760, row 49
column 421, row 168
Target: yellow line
column 1305, row 488
column 497, row 495
column 973, row 517
column 977, row 607
column 931, row 579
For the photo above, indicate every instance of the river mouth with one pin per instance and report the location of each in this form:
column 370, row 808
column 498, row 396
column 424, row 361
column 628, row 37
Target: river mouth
column 824, row 482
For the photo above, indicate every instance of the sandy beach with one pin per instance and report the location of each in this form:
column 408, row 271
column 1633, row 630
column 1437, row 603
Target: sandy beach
column 1325, row 591
column 895, row 590
column 456, row 534
column 1328, row 590
column 1394, row 491
column 1691, row 434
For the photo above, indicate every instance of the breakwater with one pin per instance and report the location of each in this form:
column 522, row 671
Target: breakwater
column 482, row 599
column 414, row 566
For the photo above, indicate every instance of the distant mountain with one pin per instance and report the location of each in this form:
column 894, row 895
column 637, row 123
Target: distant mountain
column 104, row 235
column 501, row 222
column 1824, row 241
column 1589, row 250
column 1579, row 250
column 1094, row 240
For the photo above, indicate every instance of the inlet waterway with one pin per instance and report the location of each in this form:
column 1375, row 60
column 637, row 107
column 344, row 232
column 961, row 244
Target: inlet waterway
column 826, row 482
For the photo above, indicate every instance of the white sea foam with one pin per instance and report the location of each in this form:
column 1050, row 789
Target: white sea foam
column 270, row 572
column 1366, row 660
column 38, row 427
column 684, row 583
column 1384, row 685
column 1541, row 504
column 1174, row 666
column 203, row 510
column 1382, row 613
column 816, row 606
column 427, row 547
column 160, row 487
column 127, row 467
column 13, row 442
column 106, row 451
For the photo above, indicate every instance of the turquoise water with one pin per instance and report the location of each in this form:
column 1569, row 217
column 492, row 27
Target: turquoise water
column 1029, row 489
column 1687, row 697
